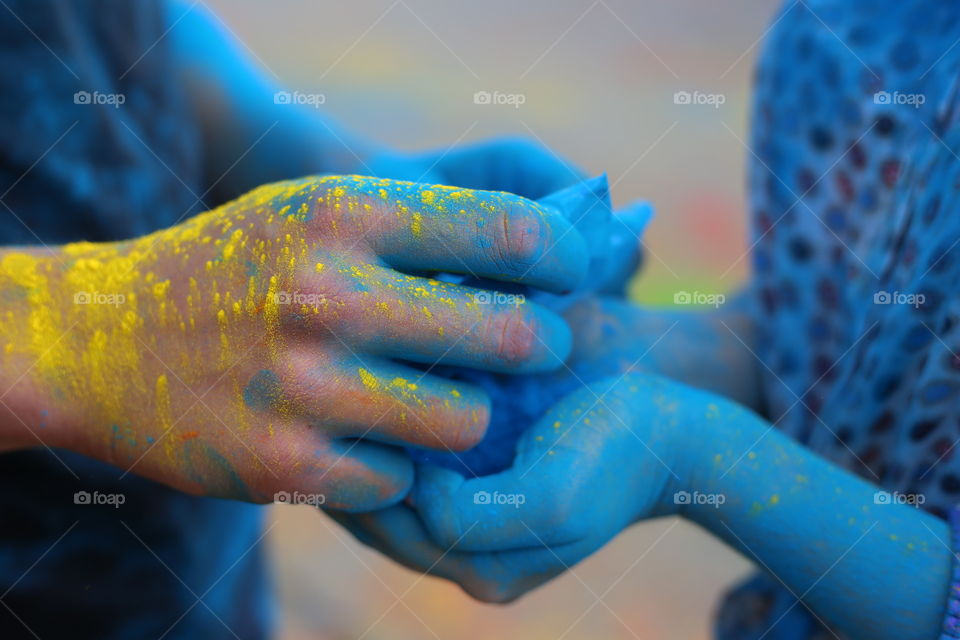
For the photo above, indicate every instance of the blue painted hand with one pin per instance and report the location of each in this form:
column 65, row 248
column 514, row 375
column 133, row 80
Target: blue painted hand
column 604, row 457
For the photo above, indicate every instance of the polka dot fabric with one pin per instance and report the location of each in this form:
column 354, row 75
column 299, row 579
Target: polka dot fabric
column 855, row 197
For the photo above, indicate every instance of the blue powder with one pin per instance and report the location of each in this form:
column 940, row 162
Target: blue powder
column 518, row 401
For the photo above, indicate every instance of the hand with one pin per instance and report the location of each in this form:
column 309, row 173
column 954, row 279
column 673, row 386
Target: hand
column 605, row 344
column 514, row 165
column 247, row 351
column 604, row 457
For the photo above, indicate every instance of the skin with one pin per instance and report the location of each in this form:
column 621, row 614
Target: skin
column 246, row 351
column 830, row 553
column 611, row 338
column 259, row 435
column 618, row 451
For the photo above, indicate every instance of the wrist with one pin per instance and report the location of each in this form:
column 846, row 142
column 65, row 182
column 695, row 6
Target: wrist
column 723, row 440
column 702, row 427
column 30, row 332
column 673, row 442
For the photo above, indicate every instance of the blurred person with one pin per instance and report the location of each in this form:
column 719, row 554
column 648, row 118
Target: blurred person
column 175, row 333
column 811, row 421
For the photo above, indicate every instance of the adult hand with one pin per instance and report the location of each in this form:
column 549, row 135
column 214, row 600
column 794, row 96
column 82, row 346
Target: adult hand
column 247, row 352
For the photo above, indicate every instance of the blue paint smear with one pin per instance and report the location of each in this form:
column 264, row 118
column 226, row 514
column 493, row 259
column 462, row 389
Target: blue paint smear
column 262, row 391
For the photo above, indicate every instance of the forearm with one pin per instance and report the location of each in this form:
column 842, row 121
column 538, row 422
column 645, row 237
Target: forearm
column 710, row 350
column 873, row 568
column 25, row 419
column 249, row 138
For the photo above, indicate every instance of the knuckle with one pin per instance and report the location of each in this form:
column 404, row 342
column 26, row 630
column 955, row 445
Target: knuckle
column 518, row 238
column 512, row 336
column 311, row 301
column 308, row 385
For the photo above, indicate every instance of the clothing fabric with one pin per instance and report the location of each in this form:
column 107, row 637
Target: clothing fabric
column 854, row 184
column 74, row 165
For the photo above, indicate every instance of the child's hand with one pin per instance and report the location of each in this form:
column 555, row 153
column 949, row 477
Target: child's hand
column 246, row 352
column 603, row 458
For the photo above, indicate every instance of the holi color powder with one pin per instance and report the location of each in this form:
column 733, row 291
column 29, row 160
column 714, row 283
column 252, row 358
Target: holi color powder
column 518, row 401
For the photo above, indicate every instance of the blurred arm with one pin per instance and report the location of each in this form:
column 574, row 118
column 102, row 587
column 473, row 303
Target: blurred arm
column 250, row 139
column 865, row 561
column 710, row 350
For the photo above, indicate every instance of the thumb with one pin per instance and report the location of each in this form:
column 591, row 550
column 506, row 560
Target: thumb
column 525, row 505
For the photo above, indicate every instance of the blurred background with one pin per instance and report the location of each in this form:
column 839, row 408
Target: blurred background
column 598, row 80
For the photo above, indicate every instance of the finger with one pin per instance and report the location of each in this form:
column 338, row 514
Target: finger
column 539, row 500
column 377, row 399
column 490, row 513
column 351, row 476
column 398, row 533
column 434, row 322
column 421, row 227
